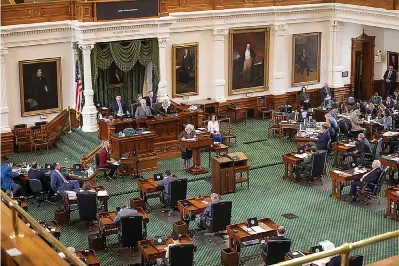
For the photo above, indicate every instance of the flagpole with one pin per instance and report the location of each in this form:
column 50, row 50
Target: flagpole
column 69, row 117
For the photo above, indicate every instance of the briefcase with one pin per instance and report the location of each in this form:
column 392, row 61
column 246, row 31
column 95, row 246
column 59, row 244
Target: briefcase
column 229, row 257
column 137, row 203
column 96, row 242
column 61, row 217
column 180, row 227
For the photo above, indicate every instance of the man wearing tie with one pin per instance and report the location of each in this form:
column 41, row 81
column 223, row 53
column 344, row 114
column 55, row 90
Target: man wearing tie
column 390, row 79
column 59, row 182
column 119, row 107
column 150, row 99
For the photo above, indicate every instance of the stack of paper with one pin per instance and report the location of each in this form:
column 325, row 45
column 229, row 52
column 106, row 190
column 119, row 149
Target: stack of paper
column 102, row 193
column 390, row 134
column 302, row 156
column 349, row 145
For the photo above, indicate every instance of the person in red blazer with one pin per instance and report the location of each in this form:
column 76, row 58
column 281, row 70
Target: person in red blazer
column 105, row 160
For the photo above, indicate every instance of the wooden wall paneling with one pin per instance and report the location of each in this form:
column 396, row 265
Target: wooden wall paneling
column 314, row 97
column 378, row 86
column 396, row 5
column 37, row 12
column 292, row 99
column 7, row 143
column 84, row 11
column 387, row 4
column 339, row 94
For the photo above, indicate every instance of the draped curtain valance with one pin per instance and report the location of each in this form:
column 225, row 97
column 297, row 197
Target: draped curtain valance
column 125, row 55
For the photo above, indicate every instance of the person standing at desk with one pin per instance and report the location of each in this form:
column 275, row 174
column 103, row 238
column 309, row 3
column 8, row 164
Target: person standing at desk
column 119, row 107
column 124, row 212
column 304, row 99
column 187, row 154
column 8, row 174
column 356, row 122
column 389, row 80
column 143, row 110
column 34, row 173
column 325, row 94
column 59, row 182
column 207, row 212
column 323, row 138
column 105, row 160
column 150, row 99
column 213, row 128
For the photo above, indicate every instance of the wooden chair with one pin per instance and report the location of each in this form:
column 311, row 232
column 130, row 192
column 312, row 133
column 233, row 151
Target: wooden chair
column 38, row 138
column 240, row 170
column 274, row 126
column 262, row 109
column 21, row 134
column 227, row 130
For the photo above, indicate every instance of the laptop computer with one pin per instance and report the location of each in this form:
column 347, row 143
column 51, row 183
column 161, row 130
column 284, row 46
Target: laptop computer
column 159, row 240
column 252, row 222
column 77, row 167
column 316, row 249
column 158, row 177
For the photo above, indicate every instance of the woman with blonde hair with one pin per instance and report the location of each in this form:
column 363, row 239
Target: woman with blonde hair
column 187, row 154
column 105, row 161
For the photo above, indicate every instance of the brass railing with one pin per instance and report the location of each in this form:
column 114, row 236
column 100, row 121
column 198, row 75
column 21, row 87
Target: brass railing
column 17, row 210
column 343, row 250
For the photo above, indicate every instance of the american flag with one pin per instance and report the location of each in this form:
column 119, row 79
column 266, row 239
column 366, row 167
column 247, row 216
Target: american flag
column 79, row 89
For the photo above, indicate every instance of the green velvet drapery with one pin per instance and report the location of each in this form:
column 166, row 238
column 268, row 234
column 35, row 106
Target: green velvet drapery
column 130, row 57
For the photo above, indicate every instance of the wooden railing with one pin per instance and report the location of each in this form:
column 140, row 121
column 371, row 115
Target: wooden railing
column 86, row 159
column 84, row 11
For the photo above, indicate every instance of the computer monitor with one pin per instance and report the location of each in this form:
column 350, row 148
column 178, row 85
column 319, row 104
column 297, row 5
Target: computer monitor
column 252, row 222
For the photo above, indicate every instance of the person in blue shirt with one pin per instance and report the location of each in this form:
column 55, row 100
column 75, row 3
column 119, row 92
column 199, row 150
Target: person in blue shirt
column 333, row 113
column 7, row 178
column 124, row 212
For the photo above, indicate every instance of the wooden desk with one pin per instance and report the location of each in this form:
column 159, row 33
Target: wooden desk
column 339, row 180
column 143, row 144
column 108, row 227
column 35, row 251
column 339, row 149
column 149, row 189
column 195, row 146
column 303, row 140
column 218, row 149
column 89, row 256
column 240, row 165
column 205, row 105
column 223, row 179
column 392, row 202
column 386, row 139
column 371, row 126
column 149, row 251
column 52, row 227
column 290, row 160
column 319, row 114
column 237, row 234
column 196, row 206
column 288, row 126
column 389, row 161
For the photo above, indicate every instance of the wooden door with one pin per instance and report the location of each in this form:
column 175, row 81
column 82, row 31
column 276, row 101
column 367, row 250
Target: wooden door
column 367, row 71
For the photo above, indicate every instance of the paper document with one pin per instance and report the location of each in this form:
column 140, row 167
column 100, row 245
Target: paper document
column 145, row 132
column 102, row 193
column 302, row 156
column 189, row 139
column 349, row 145
column 204, row 201
column 390, row 134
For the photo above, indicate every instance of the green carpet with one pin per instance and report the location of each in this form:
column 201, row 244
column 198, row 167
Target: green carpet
column 320, row 216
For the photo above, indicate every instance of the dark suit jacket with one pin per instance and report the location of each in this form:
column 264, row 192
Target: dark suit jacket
column 392, row 78
column 187, row 63
column 303, row 97
column 148, row 100
column 163, row 111
column 264, row 246
column 373, row 176
column 115, row 107
column 363, row 146
column 324, row 92
column 322, row 141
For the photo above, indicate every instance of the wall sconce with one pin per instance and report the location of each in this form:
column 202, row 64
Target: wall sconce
column 378, row 56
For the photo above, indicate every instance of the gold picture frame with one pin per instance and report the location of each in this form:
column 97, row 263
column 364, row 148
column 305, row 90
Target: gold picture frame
column 393, row 59
column 307, row 60
column 40, row 86
column 185, row 63
column 252, row 74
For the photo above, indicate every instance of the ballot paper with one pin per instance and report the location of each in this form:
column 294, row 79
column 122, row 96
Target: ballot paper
column 253, row 230
column 13, row 252
column 302, row 156
column 390, row 134
column 102, row 193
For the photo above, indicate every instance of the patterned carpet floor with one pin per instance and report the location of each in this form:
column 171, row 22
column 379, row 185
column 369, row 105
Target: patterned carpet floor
column 320, row 217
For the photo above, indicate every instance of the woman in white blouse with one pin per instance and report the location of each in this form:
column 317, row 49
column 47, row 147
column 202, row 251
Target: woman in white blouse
column 213, row 128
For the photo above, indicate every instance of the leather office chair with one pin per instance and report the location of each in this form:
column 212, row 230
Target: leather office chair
column 353, row 261
column 276, row 250
column 370, row 191
column 37, row 188
column 368, row 158
column 220, row 216
column 178, row 191
column 131, row 231
column 87, row 204
column 318, row 167
column 181, row 255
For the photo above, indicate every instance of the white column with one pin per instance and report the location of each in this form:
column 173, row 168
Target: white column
column 4, row 126
column 335, row 55
column 218, row 83
column 279, row 78
column 163, row 84
column 89, row 111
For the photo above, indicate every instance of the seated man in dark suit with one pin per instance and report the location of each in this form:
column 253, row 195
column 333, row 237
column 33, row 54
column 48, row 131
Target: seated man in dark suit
column 363, row 146
column 60, row 183
column 34, row 173
column 370, row 177
column 119, row 107
column 168, row 178
column 264, row 243
column 323, row 138
column 124, row 212
column 150, row 99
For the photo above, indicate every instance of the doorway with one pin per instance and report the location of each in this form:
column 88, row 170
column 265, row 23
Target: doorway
column 362, row 66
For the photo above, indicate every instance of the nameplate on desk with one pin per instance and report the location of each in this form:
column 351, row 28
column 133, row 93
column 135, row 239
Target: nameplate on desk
column 126, row 9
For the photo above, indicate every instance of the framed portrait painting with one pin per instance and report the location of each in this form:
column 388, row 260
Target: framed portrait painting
column 248, row 60
column 116, row 77
column 392, row 58
column 306, row 59
column 185, row 69
column 40, row 86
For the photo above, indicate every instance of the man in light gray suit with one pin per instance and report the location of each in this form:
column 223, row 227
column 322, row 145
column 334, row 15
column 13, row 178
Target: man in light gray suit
column 143, row 109
column 124, row 212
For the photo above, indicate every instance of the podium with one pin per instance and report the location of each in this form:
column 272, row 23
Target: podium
column 195, row 146
column 223, row 178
